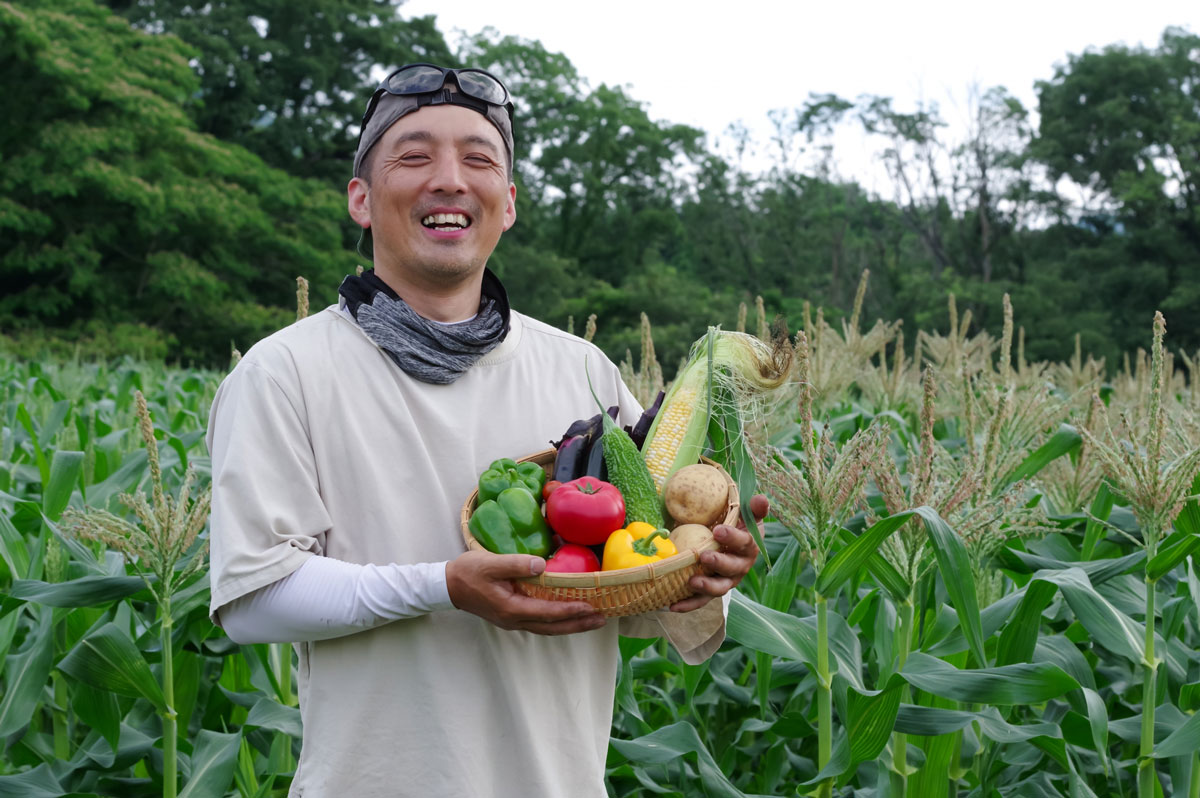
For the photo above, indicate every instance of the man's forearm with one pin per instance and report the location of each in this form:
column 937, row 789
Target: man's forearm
column 327, row 598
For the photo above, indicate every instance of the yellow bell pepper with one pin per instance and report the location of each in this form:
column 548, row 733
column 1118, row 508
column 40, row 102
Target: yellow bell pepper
column 636, row 544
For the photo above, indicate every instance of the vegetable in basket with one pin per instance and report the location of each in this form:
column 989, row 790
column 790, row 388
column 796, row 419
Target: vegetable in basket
column 738, row 363
column 511, row 523
column 696, row 494
column 585, row 510
column 505, row 473
column 627, row 470
column 637, row 544
column 572, row 558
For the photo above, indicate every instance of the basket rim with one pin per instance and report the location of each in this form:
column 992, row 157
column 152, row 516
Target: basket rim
column 647, row 574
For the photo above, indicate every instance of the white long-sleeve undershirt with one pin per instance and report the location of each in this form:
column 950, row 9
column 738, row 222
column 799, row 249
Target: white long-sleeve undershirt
column 327, row 598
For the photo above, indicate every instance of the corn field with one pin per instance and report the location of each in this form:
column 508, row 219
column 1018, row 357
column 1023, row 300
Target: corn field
column 978, row 580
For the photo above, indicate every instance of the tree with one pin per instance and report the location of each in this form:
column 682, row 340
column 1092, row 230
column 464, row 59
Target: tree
column 114, row 208
column 1125, row 123
column 605, row 176
column 288, row 79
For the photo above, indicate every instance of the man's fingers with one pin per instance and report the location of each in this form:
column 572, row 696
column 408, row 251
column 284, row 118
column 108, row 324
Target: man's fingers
column 570, row 627
column 709, row 586
column 522, row 608
column 513, row 566
column 691, row 603
column 734, row 539
column 759, row 506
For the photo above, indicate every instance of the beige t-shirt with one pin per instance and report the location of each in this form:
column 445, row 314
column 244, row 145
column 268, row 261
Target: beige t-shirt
column 321, row 445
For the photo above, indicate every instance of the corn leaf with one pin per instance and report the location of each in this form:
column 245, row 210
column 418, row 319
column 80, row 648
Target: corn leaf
column 1175, row 549
column 1097, row 570
column 1188, row 519
column 778, row 595
column 782, row 635
column 947, row 637
column 1097, row 714
column 13, row 551
column 108, row 659
column 838, row 764
column 1107, row 625
column 1193, row 584
column 872, row 715
column 1065, row 440
column 1100, row 510
column 955, row 568
column 213, row 763
column 26, row 421
column 100, row 710
column 37, row 783
column 847, row 562
column 770, row 631
column 674, row 742
column 65, row 468
column 1010, row 684
column 1183, row 740
column 270, row 714
column 1059, row 650
column 921, row 721
column 1020, row 635
column 87, row 591
column 884, row 572
column 25, row 674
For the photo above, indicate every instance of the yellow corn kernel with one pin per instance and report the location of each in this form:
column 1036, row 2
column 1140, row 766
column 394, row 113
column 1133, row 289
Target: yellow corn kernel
column 670, row 430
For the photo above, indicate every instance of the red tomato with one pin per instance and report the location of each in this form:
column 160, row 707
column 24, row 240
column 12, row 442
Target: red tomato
column 572, row 558
column 549, row 488
column 585, row 510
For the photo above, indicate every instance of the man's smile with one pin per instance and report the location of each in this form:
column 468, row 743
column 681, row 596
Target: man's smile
column 446, row 222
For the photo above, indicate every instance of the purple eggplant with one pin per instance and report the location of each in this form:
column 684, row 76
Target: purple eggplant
column 642, row 427
column 596, row 467
column 571, row 458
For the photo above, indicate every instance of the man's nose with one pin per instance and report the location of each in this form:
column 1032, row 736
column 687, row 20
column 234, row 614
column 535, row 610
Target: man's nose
column 448, row 176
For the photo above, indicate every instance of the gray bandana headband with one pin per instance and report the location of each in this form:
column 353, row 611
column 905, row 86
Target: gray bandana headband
column 425, row 350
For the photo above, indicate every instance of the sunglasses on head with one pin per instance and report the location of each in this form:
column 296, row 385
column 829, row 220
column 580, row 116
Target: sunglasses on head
column 429, row 78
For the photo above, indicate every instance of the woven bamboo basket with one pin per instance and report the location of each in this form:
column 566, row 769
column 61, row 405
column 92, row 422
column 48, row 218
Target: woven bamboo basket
column 628, row 591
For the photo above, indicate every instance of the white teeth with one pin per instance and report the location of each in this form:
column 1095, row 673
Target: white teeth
column 441, row 219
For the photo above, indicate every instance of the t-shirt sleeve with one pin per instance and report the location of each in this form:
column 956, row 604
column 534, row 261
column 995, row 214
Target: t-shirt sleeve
column 267, row 513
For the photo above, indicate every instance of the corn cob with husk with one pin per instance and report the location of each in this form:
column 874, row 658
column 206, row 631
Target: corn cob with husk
column 721, row 366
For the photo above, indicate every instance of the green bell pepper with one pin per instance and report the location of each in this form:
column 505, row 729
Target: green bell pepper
column 512, row 523
column 505, row 473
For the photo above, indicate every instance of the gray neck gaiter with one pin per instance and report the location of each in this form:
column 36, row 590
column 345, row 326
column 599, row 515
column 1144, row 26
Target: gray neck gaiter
column 425, row 350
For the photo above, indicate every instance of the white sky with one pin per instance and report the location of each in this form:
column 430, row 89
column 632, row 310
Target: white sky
column 737, row 61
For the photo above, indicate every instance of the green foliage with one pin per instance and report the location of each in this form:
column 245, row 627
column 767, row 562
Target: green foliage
column 118, row 211
column 128, row 198
column 847, row 664
column 287, row 80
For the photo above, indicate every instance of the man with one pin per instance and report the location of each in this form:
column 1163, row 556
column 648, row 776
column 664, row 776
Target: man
column 343, row 448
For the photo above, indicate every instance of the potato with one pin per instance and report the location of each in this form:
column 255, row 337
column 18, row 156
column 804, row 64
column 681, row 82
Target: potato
column 696, row 494
column 693, row 537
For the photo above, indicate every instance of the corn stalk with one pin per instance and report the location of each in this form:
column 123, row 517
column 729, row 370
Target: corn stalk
column 161, row 547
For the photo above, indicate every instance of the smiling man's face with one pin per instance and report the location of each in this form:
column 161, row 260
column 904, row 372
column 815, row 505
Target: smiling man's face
column 438, row 196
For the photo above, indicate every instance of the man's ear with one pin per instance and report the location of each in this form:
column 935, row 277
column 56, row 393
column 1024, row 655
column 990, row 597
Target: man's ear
column 510, row 213
column 358, row 200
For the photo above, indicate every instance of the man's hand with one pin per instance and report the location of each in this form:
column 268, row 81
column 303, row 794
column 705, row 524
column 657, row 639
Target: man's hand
column 724, row 568
column 481, row 583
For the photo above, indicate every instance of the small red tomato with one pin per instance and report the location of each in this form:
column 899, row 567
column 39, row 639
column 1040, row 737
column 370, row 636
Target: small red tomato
column 549, row 487
column 585, row 510
column 572, row 558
